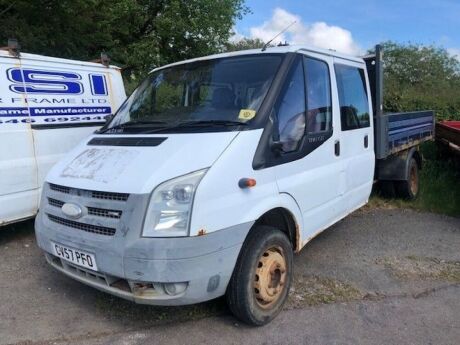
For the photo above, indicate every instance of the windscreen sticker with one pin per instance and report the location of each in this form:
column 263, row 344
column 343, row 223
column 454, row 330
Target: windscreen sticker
column 246, row 114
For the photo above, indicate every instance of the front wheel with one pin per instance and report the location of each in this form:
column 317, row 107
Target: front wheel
column 262, row 277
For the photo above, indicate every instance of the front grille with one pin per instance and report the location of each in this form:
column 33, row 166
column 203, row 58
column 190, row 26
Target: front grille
column 93, row 211
column 101, row 212
column 90, row 193
column 103, row 208
column 95, row 229
column 55, row 203
column 110, row 196
column 58, row 188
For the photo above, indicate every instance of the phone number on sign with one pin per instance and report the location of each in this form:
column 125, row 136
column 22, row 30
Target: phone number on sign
column 55, row 119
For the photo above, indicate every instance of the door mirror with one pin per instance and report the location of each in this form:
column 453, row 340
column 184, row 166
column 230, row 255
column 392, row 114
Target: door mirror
column 276, row 147
column 275, row 144
column 289, row 134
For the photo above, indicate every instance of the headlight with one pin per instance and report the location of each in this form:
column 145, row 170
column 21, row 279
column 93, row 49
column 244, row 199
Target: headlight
column 170, row 207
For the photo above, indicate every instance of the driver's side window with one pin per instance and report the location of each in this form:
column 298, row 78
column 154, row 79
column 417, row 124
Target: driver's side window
column 291, row 110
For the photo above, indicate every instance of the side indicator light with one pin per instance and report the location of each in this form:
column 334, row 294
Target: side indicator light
column 246, row 183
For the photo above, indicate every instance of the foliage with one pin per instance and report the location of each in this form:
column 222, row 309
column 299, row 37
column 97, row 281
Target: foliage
column 137, row 34
column 243, row 44
column 421, row 77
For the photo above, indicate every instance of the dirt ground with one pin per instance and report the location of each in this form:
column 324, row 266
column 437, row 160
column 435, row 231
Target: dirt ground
column 377, row 277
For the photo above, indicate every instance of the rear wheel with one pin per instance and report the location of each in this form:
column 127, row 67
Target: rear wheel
column 409, row 189
column 262, row 277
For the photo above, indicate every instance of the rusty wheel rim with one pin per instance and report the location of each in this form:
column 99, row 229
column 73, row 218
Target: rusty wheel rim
column 270, row 277
column 413, row 180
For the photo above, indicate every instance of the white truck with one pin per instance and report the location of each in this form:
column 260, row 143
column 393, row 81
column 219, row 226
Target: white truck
column 217, row 169
column 47, row 106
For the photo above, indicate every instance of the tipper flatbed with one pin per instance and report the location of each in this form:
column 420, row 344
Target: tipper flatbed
column 397, row 136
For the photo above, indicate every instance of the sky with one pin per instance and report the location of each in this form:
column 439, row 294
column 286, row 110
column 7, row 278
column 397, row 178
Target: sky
column 354, row 26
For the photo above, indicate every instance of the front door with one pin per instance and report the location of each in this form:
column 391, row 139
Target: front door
column 309, row 166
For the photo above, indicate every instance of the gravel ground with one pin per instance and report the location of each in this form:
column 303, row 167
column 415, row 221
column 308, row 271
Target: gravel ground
column 377, row 277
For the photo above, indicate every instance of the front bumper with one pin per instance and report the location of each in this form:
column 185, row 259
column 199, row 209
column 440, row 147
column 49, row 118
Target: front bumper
column 137, row 268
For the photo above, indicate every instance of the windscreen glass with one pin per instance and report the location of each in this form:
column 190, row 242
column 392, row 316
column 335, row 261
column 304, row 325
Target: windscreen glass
column 215, row 93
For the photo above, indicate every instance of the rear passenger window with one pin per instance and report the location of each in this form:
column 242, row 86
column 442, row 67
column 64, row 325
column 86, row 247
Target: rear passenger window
column 354, row 105
column 319, row 104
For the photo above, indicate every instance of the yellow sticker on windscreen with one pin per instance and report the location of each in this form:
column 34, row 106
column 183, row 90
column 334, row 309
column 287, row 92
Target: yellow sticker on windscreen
column 246, row 114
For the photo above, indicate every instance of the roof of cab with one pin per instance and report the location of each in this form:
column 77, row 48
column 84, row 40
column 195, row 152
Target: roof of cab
column 270, row 50
column 36, row 57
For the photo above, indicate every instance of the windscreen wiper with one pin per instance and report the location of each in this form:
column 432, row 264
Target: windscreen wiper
column 199, row 123
column 132, row 124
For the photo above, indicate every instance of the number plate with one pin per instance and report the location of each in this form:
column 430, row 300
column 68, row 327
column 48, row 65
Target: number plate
column 75, row 256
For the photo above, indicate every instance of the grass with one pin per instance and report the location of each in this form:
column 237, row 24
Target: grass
column 439, row 187
column 314, row 290
column 422, row 268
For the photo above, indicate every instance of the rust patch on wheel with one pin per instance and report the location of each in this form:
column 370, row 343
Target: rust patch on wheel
column 270, row 277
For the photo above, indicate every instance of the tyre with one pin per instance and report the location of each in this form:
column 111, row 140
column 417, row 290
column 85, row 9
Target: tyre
column 262, row 276
column 409, row 189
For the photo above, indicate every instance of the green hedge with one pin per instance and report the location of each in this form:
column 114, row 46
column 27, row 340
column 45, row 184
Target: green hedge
column 421, row 77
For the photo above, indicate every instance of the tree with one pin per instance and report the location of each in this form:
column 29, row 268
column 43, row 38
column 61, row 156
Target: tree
column 137, row 34
column 243, row 44
column 421, row 77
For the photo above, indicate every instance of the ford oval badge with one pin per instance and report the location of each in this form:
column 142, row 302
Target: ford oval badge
column 72, row 210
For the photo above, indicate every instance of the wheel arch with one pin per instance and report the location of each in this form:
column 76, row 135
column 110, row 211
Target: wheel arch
column 281, row 212
column 283, row 220
column 396, row 167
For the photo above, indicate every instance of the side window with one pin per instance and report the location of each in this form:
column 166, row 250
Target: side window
column 354, row 105
column 319, row 102
column 291, row 109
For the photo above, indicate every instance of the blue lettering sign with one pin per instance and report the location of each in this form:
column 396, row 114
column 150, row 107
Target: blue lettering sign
column 34, row 81
column 98, row 84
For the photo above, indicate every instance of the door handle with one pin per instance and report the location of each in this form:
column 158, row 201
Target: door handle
column 366, row 141
column 337, row 148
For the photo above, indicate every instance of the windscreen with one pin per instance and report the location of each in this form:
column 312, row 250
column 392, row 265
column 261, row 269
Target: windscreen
column 212, row 93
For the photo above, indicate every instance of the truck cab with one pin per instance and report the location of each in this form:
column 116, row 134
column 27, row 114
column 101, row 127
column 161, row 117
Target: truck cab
column 211, row 175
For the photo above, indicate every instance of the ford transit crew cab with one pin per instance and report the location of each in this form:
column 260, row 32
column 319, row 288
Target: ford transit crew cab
column 213, row 173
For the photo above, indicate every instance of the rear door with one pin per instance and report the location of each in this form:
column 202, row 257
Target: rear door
column 308, row 167
column 357, row 140
column 18, row 169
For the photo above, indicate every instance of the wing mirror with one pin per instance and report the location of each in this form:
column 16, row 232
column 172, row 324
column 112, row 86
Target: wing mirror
column 276, row 147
